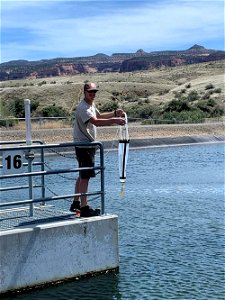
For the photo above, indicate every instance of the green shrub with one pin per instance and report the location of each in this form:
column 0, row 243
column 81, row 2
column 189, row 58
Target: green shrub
column 193, row 96
column 28, row 84
column 17, row 108
column 203, row 106
column 145, row 111
column 54, row 111
column 218, row 111
column 8, row 122
column 108, row 106
column 191, row 116
column 218, row 90
column 177, row 105
column 42, row 82
column 209, row 86
column 206, row 96
column 34, row 105
column 181, row 110
column 211, row 102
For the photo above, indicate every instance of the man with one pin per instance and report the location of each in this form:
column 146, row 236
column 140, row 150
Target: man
column 87, row 118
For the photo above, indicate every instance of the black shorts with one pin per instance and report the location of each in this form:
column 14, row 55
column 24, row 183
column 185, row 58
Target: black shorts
column 86, row 158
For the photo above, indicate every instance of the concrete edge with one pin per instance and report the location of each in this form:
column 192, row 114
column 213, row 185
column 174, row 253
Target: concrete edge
column 60, row 223
column 42, row 252
column 167, row 141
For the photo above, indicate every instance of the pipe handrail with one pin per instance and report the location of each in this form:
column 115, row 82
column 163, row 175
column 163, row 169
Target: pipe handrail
column 39, row 151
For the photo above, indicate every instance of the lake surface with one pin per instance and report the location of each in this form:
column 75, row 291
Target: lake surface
column 171, row 227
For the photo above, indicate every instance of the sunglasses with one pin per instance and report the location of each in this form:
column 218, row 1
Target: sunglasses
column 91, row 92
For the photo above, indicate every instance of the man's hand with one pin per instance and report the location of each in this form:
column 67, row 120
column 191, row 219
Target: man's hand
column 119, row 121
column 119, row 113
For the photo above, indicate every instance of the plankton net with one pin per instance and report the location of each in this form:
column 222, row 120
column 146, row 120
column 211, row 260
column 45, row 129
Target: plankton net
column 123, row 150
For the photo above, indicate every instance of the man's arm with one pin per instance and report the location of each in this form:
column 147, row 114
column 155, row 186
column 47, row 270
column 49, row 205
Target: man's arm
column 107, row 122
column 106, row 115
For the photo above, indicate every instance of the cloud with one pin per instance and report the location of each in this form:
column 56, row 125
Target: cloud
column 78, row 28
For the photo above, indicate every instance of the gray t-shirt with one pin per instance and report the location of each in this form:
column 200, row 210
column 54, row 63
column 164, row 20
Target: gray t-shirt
column 83, row 130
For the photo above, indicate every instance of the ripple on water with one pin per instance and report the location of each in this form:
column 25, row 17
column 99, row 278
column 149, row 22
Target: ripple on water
column 171, row 229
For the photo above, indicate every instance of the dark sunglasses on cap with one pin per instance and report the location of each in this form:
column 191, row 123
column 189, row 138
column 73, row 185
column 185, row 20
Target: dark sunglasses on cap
column 92, row 92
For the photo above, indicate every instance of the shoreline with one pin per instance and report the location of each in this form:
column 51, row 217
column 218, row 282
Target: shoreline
column 166, row 142
column 140, row 135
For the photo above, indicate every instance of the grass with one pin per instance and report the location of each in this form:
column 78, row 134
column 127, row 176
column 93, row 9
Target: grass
column 46, row 124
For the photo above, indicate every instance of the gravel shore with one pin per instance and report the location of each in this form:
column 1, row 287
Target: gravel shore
column 137, row 133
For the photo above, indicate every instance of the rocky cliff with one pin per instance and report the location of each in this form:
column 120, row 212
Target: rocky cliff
column 117, row 62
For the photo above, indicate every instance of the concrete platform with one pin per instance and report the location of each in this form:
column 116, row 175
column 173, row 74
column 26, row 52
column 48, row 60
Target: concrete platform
column 38, row 254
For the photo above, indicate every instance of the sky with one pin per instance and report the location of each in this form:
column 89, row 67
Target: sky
column 34, row 30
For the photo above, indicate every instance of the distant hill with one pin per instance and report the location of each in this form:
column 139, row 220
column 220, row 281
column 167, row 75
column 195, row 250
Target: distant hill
column 102, row 63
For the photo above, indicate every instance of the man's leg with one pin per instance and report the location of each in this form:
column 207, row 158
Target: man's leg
column 85, row 158
column 77, row 189
column 83, row 188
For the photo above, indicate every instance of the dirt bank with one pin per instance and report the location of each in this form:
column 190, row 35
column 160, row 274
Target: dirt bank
column 141, row 132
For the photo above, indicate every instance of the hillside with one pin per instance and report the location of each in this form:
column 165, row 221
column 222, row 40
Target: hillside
column 140, row 88
column 101, row 63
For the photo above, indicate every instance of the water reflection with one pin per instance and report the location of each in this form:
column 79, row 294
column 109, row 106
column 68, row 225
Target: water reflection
column 101, row 287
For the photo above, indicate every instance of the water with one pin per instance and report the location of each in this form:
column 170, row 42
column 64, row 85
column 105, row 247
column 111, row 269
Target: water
column 171, row 228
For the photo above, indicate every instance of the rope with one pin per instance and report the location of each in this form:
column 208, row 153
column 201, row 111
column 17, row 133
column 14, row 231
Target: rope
column 113, row 142
column 61, row 154
column 55, row 194
column 67, row 199
column 62, row 176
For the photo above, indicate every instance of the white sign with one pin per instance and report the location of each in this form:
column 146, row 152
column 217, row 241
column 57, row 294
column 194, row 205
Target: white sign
column 12, row 162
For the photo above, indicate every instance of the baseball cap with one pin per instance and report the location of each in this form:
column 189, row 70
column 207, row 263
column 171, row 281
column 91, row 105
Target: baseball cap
column 90, row 86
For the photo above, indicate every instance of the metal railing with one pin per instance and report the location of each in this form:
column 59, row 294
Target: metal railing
column 20, row 161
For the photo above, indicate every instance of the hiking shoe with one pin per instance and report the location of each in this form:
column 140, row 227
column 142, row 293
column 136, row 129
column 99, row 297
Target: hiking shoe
column 75, row 206
column 87, row 211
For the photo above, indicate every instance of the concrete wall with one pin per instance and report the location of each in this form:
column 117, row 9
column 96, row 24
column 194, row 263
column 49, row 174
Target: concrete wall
column 56, row 251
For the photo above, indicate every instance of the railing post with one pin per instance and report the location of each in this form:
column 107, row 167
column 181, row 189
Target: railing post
column 29, row 157
column 102, row 180
column 42, row 177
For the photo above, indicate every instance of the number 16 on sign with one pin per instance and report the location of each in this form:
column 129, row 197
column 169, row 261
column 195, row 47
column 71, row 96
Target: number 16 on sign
column 12, row 162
